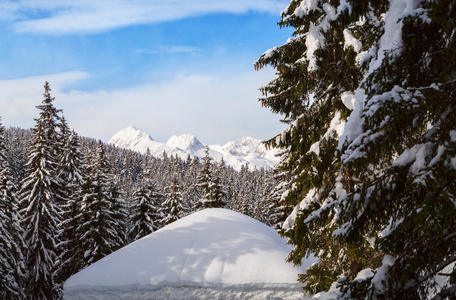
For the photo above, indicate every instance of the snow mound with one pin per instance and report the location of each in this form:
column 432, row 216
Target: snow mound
column 209, row 253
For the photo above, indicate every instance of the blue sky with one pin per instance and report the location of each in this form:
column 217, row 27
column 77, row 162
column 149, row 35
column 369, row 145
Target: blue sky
column 166, row 67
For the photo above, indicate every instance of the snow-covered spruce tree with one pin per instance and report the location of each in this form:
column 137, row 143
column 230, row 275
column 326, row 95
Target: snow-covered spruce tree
column 265, row 188
column 252, row 195
column 119, row 212
column 190, row 189
column 3, row 148
column 144, row 215
column 72, row 178
column 244, row 205
column 260, row 189
column 17, row 142
column 213, row 193
column 401, row 147
column 40, row 192
column 278, row 210
column 387, row 215
column 218, row 194
column 204, row 180
column 86, row 210
column 172, row 209
column 315, row 68
column 11, row 242
column 98, row 226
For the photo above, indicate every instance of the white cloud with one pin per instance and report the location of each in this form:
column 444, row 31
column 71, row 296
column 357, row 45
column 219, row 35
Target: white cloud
column 215, row 109
column 76, row 16
column 164, row 50
column 19, row 97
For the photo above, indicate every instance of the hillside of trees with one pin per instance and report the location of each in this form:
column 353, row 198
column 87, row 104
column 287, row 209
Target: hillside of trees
column 366, row 182
column 67, row 201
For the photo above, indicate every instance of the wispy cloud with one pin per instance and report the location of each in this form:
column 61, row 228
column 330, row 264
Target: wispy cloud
column 18, row 97
column 165, row 50
column 91, row 16
column 214, row 108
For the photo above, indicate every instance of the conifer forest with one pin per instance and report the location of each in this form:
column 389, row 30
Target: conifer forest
column 366, row 183
column 67, row 201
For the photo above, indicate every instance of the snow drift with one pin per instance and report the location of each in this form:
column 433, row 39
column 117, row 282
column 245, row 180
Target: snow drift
column 211, row 253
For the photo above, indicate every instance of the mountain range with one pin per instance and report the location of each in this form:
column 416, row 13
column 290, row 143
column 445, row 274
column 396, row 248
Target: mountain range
column 245, row 151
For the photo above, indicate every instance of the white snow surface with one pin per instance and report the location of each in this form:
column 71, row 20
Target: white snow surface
column 246, row 151
column 211, row 254
column 391, row 40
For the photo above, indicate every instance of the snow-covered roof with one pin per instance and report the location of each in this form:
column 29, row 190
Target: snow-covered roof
column 213, row 249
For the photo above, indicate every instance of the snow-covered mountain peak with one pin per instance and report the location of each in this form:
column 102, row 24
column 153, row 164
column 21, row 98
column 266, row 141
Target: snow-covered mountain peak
column 245, row 151
column 131, row 137
column 185, row 142
column 245, row 146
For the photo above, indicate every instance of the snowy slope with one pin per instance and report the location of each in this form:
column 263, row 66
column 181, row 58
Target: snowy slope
column 210, row 251
column 246, row 151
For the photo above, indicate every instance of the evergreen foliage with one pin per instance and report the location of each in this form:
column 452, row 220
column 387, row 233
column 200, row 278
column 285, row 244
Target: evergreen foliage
column 11, row 242
column 40, row 213
column 375, row 202
column 126, row 166
column 99, row 224
column 17, row 142
column 3, row 148
column 72, row 178
column 144, row 211
column 278, row 210
column 144, row 216
column 172, row 209
column 119, row 214
column 76, row 190
column 213, row 193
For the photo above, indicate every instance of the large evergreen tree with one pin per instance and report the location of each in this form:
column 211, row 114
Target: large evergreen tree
column 72, row 178
column 307, row 92
column 144, row 215
column 41, row 190
column 11, row 242
column 99, row 224
column 377, row 204
column 144, row 210
column 119, row 213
